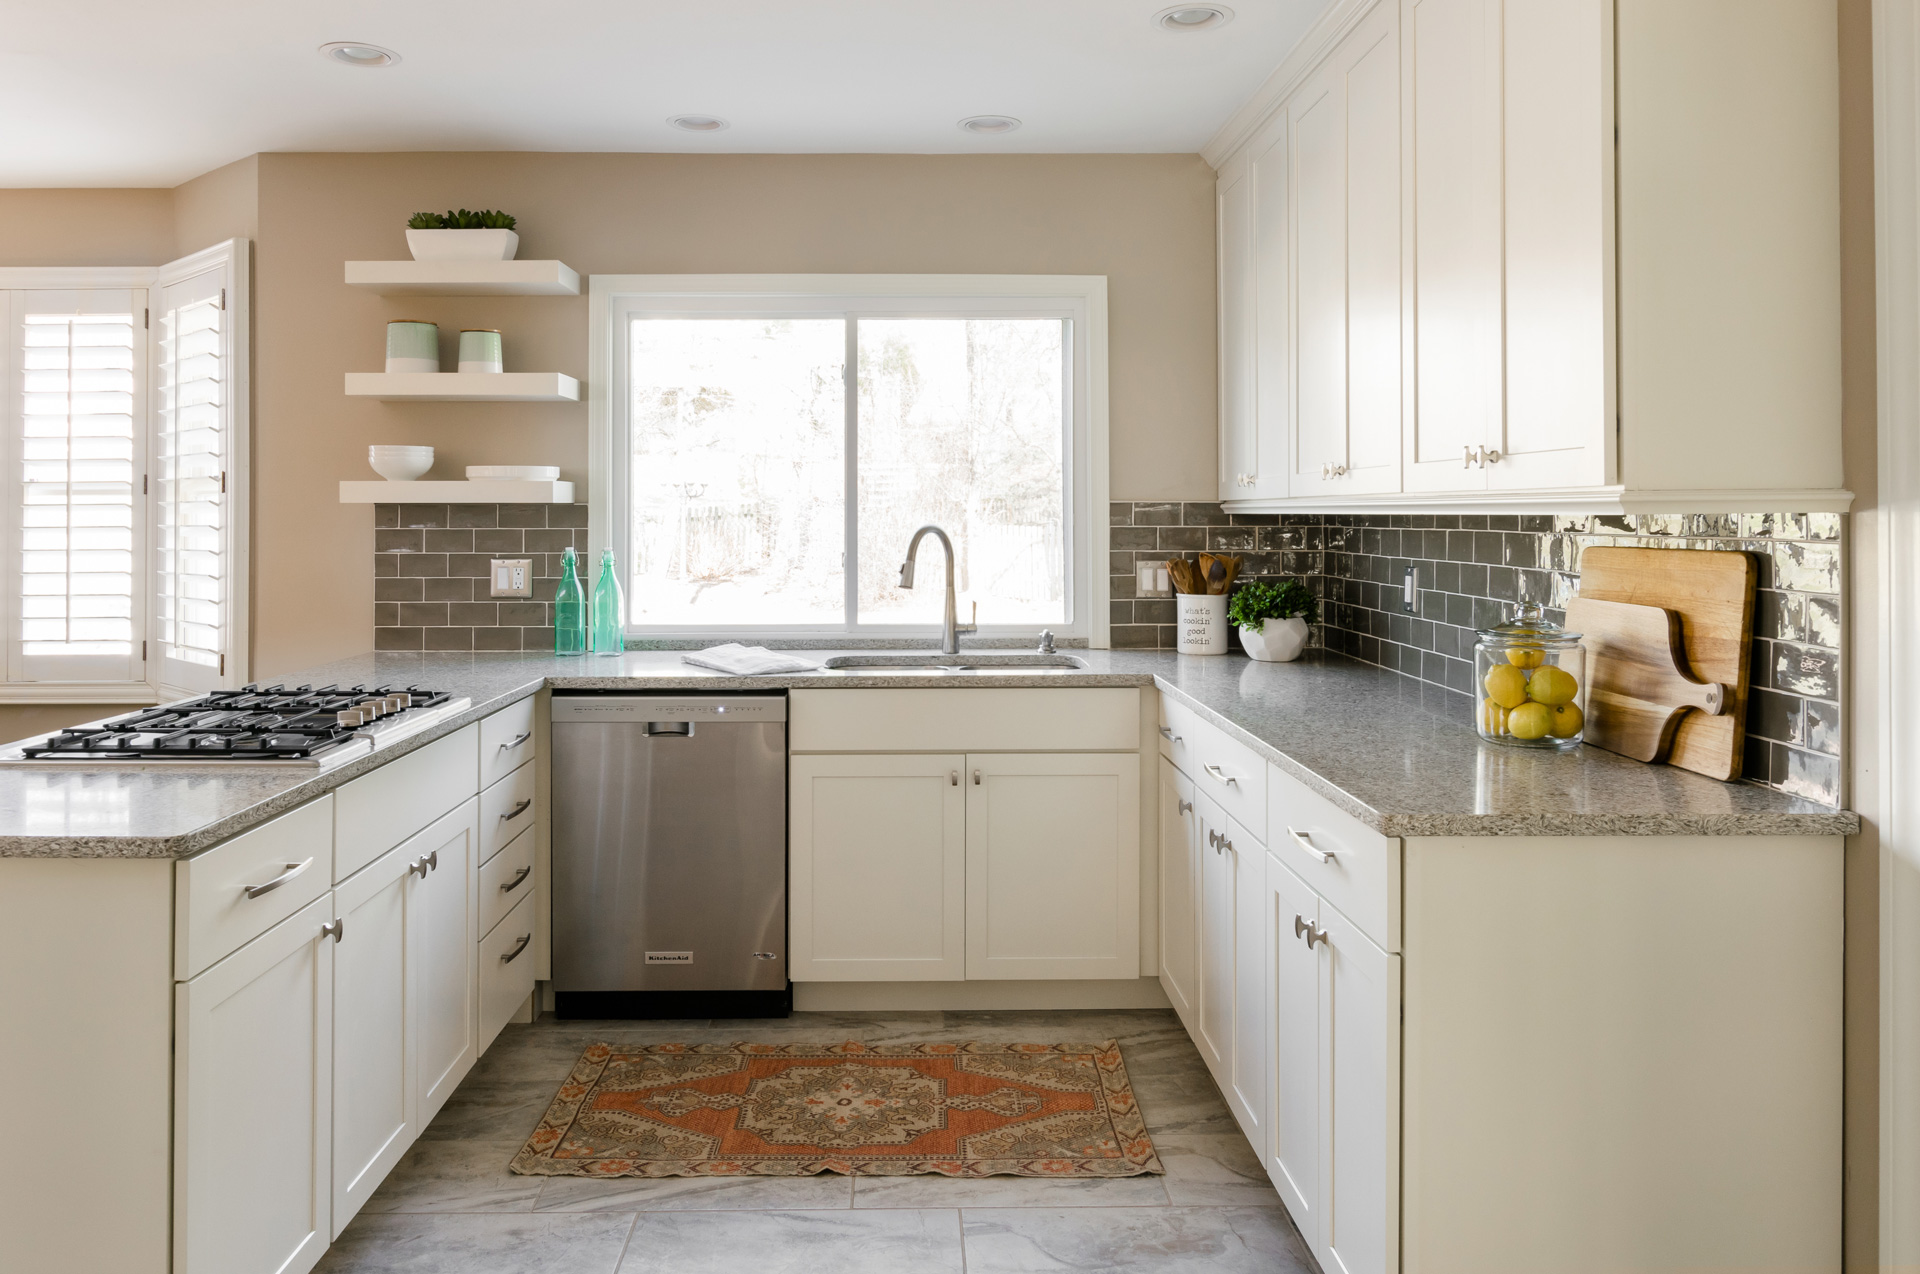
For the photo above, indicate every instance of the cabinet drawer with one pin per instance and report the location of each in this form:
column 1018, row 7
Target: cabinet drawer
column 1068, row 719
column 214, row 914
column 506, row 740
column 1349, row 864
column 1221, row 768
column 505, row 879
column 377, row 811
column 506, row 810
column 506, row 969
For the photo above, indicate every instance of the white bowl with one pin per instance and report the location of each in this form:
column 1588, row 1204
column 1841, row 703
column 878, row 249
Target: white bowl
column 400, row 464
column 513, row 472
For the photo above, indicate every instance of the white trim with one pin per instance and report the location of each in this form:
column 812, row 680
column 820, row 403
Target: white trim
column 1885, row 756
column 62, row 277
column 1568, row 500
column 134, row 692
column 1328, row 30
column 1081, row 298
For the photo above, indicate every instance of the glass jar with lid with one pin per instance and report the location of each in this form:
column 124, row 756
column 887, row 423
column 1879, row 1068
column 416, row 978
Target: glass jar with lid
column 1531, row 675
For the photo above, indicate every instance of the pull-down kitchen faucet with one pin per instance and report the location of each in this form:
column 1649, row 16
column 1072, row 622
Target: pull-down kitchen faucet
column 950, row 630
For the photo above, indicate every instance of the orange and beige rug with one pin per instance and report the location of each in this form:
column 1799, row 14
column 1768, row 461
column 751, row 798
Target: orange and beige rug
column 783, row 1110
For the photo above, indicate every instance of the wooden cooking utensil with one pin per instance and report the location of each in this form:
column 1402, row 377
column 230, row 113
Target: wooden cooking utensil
column 1638, row 686
column 1712, row 592
column 1184, row 575
column 1217, row 572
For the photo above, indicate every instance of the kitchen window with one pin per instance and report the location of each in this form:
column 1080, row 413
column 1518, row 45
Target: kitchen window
column 124, row 435
column 764, row 448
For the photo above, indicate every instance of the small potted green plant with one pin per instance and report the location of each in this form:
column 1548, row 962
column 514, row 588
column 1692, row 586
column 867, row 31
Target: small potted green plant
column 462, row 235
column 1272, row 617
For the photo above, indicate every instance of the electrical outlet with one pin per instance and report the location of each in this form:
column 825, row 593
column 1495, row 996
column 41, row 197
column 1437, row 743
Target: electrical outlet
column 513, row 577
column 1410, row 591
column 1150, row 580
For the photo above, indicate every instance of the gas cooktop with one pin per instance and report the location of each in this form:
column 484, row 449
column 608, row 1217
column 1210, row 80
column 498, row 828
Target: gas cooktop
column 298, row 726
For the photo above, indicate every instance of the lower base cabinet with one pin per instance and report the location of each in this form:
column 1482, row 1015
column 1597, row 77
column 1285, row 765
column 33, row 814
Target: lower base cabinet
column 375, row 1091
column 253, row 1098
column 441, row 920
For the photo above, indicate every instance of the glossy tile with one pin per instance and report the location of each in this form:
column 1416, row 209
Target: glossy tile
column 1008, row 1192
column 479, row 1244
column 1150, row 1240
column 491, row 1110
column 1214, row 1170
column 455, row 1176
column 879, row 1242
column 694, row 1194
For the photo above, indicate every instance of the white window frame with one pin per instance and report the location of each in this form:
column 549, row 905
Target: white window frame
column 1079, row 299
column 232, row 256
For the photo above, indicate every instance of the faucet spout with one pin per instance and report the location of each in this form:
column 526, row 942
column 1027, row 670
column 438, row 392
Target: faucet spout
column 950, row 627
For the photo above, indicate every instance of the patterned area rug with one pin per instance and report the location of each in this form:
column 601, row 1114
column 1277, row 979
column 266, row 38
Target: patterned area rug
column 789, row 1110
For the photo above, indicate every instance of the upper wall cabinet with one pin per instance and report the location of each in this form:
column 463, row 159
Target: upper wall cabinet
column 1458, row 272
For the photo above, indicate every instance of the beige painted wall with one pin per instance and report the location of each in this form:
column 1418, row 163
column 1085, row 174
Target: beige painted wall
column 86, row 227
column 1144, row 221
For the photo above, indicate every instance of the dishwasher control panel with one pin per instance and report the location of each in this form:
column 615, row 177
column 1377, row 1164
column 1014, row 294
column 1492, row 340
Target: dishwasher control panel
column 668, row 707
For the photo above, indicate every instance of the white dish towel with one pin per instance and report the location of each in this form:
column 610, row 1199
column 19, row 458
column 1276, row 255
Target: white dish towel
column 747, row 661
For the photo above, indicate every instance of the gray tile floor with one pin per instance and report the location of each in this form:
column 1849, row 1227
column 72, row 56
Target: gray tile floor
column 451, row 1207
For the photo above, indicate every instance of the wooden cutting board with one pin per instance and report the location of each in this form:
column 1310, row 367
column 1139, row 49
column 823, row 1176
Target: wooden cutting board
column 1638, row 686
column 1712, row 592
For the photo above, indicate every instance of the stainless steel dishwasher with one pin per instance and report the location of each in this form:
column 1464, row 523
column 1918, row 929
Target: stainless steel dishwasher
column 670, row 855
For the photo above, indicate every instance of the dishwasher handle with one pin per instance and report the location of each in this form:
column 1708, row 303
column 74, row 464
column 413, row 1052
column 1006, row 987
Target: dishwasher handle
column 670, row 729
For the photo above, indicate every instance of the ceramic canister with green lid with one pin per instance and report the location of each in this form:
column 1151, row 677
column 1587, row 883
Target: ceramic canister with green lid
column 413, row 346
column 480, row 351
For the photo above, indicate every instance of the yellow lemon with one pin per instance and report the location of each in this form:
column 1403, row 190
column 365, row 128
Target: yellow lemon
column 1493, row 717
column 1526, row 656
column 1567, row 720
column 1530, row 721
column 1506, row 685
column 1552, row 686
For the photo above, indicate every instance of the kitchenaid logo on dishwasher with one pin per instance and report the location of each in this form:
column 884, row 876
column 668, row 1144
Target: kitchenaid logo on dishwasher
column 669, row 957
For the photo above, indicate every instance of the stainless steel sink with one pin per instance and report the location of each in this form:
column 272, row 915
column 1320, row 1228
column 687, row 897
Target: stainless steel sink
column 966, row 661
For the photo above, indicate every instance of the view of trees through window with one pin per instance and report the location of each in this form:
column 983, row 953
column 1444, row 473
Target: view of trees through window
column 738, row 469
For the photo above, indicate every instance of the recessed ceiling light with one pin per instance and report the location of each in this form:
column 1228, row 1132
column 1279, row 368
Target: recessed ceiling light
column 1194, row 17
column 989, row 124
column 355, row 53
column 698, row 123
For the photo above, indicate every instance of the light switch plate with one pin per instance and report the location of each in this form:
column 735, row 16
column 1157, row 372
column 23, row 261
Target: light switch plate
column 1150, row 580
column 512, row 577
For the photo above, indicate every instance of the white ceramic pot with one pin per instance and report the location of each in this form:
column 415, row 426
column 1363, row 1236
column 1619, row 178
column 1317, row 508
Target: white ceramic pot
column 1201, row 623
column 462, row 245
column 1277, row 641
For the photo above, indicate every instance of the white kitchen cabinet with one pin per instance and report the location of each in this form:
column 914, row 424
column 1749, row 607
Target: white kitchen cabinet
column 1053, row 865
column 506, row 969
column 253, row 1092
column 375, row 1116
column 1247, row 1082
column 441, row 922
column 1359, row 1101
column 877, row 862
column 1295, row 1024
column 1180, row 846
column 1586, row 315
column 1215, row 913
column 1239, row 452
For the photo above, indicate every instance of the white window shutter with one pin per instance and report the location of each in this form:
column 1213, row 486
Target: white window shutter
column 196, row 471
column 76, row 402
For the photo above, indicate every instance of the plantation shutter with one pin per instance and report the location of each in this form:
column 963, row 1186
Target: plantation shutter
column 198, row 328
column 76, row 409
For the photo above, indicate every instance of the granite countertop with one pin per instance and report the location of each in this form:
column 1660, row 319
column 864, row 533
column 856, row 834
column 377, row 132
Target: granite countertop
column 1398, row 754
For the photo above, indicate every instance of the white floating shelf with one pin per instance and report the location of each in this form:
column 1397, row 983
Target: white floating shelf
column 464, row 387
column 502, row 492
column 464, row 278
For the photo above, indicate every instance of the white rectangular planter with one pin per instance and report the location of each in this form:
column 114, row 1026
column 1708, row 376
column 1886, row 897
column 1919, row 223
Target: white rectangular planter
column 462, row 245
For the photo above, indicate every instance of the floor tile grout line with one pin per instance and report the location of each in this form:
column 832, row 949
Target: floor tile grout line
column 632, row 1225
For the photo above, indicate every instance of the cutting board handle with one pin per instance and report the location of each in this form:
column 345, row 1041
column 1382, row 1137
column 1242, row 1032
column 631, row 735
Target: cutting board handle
column 1712, row 698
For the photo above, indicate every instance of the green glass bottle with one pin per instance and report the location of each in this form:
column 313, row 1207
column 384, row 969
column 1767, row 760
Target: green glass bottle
column 609, row 610
column 569, row 611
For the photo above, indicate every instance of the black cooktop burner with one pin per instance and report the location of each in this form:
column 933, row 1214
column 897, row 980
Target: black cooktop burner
column 273, row 723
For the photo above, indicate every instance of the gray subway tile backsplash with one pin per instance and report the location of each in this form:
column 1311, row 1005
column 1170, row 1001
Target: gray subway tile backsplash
column 432, row 564
column 1474, row 567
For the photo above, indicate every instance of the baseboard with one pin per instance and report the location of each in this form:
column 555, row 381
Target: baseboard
column 853, row 997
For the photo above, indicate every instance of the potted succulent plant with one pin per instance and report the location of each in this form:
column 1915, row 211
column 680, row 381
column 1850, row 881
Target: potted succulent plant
column 1273, row 618
column 462, row 236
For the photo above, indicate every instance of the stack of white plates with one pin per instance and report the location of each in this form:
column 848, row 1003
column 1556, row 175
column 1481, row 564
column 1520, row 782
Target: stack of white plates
column 513, row 472
column 400, row 464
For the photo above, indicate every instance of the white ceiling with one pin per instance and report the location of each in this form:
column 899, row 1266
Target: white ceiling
column 134, row 93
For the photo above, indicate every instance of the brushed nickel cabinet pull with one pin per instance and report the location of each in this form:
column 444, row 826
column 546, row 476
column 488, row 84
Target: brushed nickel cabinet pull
column 514, row 884
column 517, row 810
column 292, row 870
column 508, row 958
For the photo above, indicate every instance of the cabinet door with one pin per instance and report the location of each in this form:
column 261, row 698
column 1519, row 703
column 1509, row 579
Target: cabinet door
column 374, row 1094
column 1053, row 865
column 1317, row 127
column 1268, row 466
column 1179, row 891
column 1238, row 457
column 1247, row 1093
column 1292, row 1019
column 1214, row 1036
column 1556, row 82
column 441, row 937
column 877, row 868
column 1360, row 1102
column 253, row 1090
column 1453, row 50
